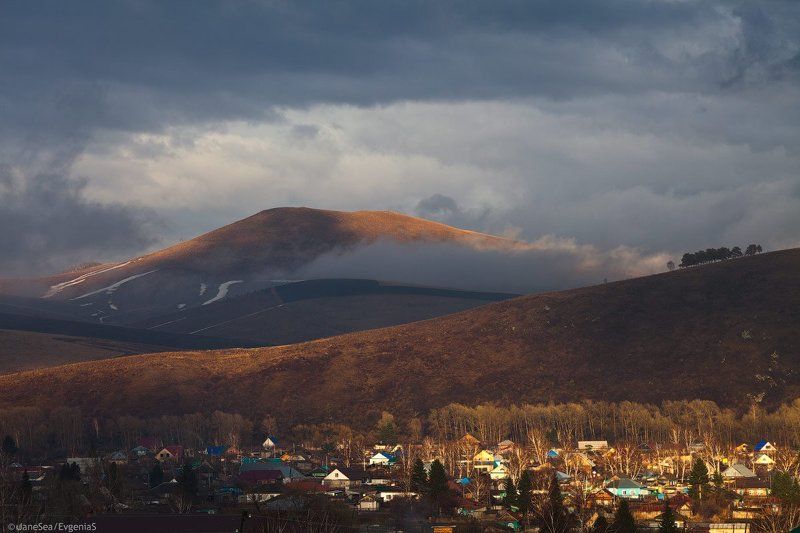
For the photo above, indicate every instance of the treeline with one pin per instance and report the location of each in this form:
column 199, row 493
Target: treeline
column 712, row 255
column 66, row 431
column 677, row 423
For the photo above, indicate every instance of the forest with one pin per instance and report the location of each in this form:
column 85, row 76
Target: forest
column 712, row 255
column 66, row 431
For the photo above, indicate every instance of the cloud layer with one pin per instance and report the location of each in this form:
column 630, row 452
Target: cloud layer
column 619, row 125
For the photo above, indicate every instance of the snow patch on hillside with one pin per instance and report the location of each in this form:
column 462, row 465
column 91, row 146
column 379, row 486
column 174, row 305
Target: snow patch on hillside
column 222, row 292
column 114, row 286
column 203, row 288
column 55, row 289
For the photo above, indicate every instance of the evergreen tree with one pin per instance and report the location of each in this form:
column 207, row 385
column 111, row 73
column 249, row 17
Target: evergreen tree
column 65, row 474
column 156, row 475
column 9, row 446
column 187, row 479
column 524, row 491
column 786, row 488
column 387, row 429
column 437, row 483
column 555, row 515
column 623, row 519
column 511, row 496
column 666, row 523
column 419, row 479
column 75, row 472
column 387, row 433
column 698, row 479
column 113, row 479
column 25, row 488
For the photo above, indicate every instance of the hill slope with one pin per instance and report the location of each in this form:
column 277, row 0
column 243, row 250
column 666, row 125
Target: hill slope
column 708, row 332
column 307, row 310
column 239, row 258
column 26, row 350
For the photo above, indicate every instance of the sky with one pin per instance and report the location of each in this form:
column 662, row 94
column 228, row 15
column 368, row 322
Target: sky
column 630, row 130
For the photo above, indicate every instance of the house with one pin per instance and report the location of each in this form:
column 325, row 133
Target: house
column 751, row 487
column 383, row 459
column 320, row 472
column 141, row 451
column 368, row 503
column 764, row 447
column 483, row 460
column 288, row 471
column 262, row 493
column 389, row 494
column 499, row 472
column 119, row 457
column 764, row 461
column 174, row 453
column 84, row 463
column 627, row 489
column 553, row 453
column 269, row 444
column 579, row 461
column 601, row 498
column 344, row 478
column 505, row 446
column 261, row 477
column 216, row 451
column 737, row 470
column 592, row 445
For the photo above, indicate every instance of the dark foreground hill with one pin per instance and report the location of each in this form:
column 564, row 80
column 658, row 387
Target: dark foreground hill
column 728, row 332
column 35, row 341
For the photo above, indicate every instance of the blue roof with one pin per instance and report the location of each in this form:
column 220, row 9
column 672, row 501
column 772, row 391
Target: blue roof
column 216, row 451
column 760, row 445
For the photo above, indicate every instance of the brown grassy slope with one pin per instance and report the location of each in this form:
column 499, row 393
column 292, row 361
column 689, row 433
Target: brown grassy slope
column 275, row 239
column 675, row 335
column 25, row 350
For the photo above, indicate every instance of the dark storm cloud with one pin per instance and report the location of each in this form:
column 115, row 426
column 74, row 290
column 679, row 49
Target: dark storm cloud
column 80, row 74
column 47, row 225
column 168, row 62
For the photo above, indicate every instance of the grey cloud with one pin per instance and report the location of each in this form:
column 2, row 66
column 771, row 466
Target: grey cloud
column 714, row 75
column 548, row 264
column 48, row 225
column 437, row 205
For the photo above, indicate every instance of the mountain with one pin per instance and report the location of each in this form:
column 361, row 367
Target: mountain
column 726, row 332
column 255, row 253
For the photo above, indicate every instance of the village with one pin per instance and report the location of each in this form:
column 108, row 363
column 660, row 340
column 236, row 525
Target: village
column 459, row 485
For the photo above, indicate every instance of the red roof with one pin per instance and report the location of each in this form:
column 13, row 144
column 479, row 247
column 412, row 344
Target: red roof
column 176, row 450
column 257, row 476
